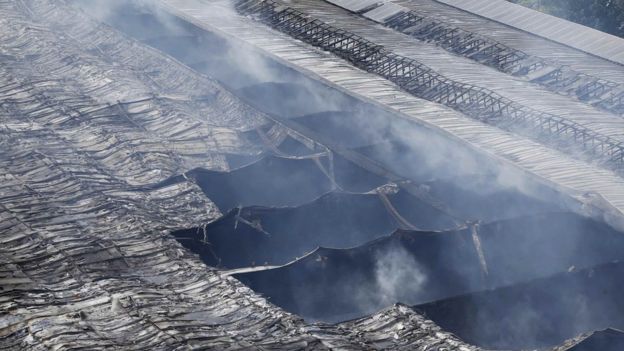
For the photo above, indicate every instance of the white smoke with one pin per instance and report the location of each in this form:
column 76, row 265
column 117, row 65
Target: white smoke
column 398, row 276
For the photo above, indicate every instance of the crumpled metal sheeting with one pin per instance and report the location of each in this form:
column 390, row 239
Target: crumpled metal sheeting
column 86, row 260
column 93, row 259
column 175, row 80
column 395, row 328
column 83, row 245
column 163, row 139
column 67, row 45
column 605, row 340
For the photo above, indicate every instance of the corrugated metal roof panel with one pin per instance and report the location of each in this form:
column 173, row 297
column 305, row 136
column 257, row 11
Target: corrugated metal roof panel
column 355, row 5
column 385, row 11
column 604, row 45
column 560, row 170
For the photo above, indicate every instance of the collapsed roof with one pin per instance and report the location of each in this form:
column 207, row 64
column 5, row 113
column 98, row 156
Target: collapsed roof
column 121, row 157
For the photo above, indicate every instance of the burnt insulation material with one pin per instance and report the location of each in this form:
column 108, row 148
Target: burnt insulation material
column 281, row 181
column 293, row 147
column 272, row 181
column 604, row 340
column 540, row 313
column 408, row 161
column 436, row 265
column 226, row 242
column 276, row 140
column 258, row 235
column 333, row 284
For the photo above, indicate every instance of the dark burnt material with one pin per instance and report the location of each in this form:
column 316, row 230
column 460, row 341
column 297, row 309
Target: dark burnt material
column 540, row 313
column 272, row 181
column 258, row 235
column 287, row 99
column 333, row 284
column 283, row 181
column 604, row 340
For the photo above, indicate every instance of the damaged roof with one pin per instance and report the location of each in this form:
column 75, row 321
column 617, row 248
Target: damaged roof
column 87, row 138
column 133, row 185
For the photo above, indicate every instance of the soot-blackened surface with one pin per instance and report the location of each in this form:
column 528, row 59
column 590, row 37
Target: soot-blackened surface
column 272, row 181
column 604, row 340
column 227, row 242
column 353, row 178
column 332, row 284
column 259, row 235
column 526, row 248
column 444, row 264
column 240, row 161
column 540, row 313
column 281, row 181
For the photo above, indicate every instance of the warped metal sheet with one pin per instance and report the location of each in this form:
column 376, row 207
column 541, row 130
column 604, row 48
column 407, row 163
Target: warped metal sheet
column 574, row 35
column 87, row 262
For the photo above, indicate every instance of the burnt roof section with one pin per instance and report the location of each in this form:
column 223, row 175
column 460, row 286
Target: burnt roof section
column 537, row 314
column 95, row 125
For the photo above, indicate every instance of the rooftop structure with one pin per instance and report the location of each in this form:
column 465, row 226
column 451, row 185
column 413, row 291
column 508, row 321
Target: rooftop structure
column 272, row 174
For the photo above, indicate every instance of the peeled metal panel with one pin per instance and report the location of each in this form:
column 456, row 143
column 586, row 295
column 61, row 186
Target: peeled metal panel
column 605, row 45
column 385, row 11
column 355, row 5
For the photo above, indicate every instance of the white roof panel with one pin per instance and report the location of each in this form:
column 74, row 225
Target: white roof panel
column 556, row 29
column 385, row 11
column 355, row 5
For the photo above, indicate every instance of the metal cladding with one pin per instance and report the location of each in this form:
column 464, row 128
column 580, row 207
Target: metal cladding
column 90, row 141
column 119, row 163
column 478, row 102
column 574, row 35
column 603, row 93
column 557, row 169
